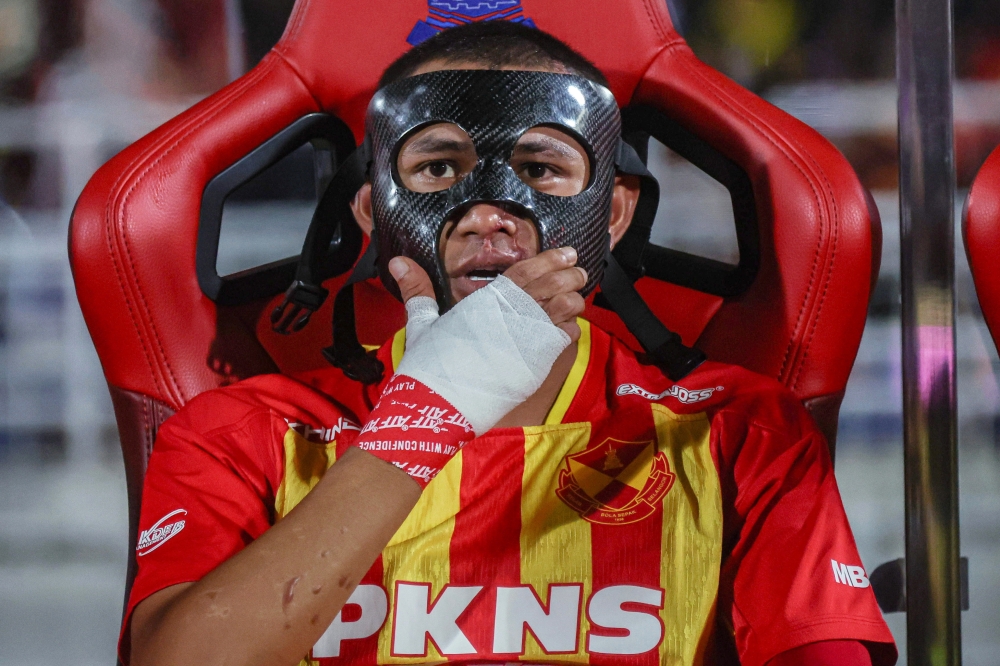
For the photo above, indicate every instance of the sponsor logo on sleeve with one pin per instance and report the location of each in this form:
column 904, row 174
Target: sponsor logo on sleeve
column 686, row 396
column 161, row 532
column 849, row 575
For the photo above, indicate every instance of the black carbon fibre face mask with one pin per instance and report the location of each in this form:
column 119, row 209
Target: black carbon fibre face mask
column 495, row 108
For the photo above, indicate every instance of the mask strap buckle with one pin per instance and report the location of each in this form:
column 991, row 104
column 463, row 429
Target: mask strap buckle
column 301, row 300
column 305, row 295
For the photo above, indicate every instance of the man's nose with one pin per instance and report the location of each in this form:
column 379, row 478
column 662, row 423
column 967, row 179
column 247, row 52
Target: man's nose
column 486, row 220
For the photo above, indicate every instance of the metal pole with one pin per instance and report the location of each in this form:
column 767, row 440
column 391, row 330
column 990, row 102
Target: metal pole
column 924, row 70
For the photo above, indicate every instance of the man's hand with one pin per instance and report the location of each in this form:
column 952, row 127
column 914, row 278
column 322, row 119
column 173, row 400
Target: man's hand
column 551, row 278
column 493, row 350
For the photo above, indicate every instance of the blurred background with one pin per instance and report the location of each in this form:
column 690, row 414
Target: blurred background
column 81, row 79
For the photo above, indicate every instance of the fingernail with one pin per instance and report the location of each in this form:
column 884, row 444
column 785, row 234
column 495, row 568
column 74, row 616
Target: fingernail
column 568, row 253
column 584, row 271
column 398, row 268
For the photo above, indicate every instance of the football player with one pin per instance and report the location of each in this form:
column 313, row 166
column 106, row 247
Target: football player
column 518, row 486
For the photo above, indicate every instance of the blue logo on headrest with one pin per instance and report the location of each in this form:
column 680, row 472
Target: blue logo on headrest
column 444, row 14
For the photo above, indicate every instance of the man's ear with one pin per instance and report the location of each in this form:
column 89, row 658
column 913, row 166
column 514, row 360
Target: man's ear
column 623, row 203
column 361, row 206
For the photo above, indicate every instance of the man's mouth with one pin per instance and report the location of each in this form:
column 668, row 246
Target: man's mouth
column 484, row 274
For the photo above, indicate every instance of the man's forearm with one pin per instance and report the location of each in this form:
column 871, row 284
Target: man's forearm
column 272, row 601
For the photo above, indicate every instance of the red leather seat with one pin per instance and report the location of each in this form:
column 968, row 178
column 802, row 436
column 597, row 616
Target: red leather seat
column 134, row 234
column 981, row 232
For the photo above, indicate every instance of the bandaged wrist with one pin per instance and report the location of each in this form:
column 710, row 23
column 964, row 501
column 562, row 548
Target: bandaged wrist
column 486, row 355
column 415, row 429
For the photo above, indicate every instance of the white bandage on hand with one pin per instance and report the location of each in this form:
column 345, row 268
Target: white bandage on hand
column 486, row 355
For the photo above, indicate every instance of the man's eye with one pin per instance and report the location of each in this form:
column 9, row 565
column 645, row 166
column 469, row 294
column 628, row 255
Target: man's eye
column 440, row 170
column 536, row 170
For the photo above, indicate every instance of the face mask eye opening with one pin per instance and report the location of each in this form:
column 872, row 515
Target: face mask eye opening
column 433, row 157
column 553, row 160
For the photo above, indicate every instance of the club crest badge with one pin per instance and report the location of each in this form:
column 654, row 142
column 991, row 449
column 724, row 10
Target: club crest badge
column 442, row 14
column 615, row 482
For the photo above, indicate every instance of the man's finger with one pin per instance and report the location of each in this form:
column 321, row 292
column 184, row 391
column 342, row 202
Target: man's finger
column 411, row 278
column 564, row 308
column 566, row 281
column 529, row 270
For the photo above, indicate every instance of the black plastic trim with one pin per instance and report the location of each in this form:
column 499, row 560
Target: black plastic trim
column 326, row 133
column 682, row 268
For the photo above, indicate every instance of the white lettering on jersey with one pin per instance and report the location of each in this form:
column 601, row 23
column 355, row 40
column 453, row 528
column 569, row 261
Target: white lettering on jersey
column 686, row 396
column 159, row 534
column 849, row 575
column 519, row 608
column 322, row 434
column 415, row 620
column 645, row 630
column 374, row 607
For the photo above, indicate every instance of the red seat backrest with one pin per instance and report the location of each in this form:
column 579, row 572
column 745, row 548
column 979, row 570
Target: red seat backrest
column 162, row 341
column 981, row 232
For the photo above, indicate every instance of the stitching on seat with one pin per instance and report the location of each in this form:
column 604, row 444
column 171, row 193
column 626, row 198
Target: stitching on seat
column 109, row 238
column 834, row 232
column 833, row 244
column 183, row 131
column 678, row 41
column 298, row 75
column 654, row 20
column 296, row 23
column 716, row 91
column 147, row 428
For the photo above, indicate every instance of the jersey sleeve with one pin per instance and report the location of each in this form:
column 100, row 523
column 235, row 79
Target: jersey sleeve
column 792, row 575
column 206, row 495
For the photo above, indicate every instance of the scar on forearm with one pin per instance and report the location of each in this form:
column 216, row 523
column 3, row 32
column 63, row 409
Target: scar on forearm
column 289, row 593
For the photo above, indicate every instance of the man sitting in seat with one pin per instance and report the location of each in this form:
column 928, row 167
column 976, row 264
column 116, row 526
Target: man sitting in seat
column 523, row 488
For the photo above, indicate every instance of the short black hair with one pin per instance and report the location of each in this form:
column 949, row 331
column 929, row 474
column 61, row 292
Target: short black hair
column 495, row 44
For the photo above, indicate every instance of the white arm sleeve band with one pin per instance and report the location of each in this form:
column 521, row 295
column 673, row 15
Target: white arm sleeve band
column 486, row 355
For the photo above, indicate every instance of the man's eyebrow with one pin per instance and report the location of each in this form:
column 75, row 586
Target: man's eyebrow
column 545, row 144
column 426, row 145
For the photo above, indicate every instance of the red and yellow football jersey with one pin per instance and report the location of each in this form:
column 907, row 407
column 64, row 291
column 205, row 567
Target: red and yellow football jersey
column 645, row 522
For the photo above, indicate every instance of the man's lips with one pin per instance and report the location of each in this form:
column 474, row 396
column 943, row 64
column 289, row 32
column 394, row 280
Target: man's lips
column 485, row 266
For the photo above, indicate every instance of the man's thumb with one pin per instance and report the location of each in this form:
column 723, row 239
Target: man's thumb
column 411, row 278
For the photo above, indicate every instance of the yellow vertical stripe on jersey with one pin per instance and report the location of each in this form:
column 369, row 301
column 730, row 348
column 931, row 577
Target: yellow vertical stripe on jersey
column 555, row 540
column 305, row 464
column 692, row 537
column 419, row 552
column 574, row 378
column 398, row 345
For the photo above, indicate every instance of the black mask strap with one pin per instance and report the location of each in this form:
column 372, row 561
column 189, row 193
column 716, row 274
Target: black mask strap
column 630, row 248
column 663, row 346
column 624, row 266
column 346, row 351
column 306, row 294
